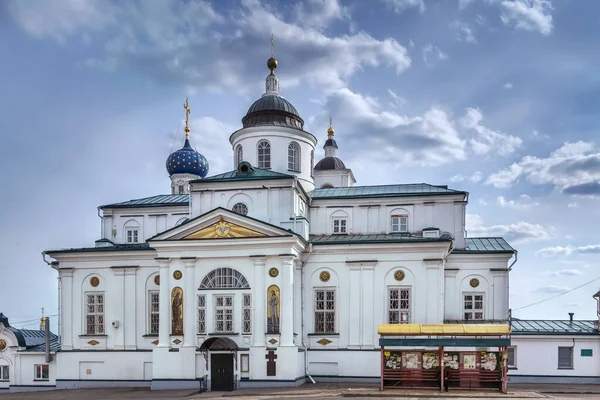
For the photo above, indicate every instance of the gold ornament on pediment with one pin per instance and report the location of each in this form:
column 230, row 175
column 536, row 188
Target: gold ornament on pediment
column 399, row 275
column 94, row 281
column 324, row 276
column 2, row 344
column 157, row 280
column 474, row 282
column 273, row 272
column 177, row 275
column 224, row 230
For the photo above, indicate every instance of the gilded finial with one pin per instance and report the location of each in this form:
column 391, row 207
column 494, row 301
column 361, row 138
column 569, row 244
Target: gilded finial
column 272, row 62
column 330, row 131
column 187, row 121
column 42, row 320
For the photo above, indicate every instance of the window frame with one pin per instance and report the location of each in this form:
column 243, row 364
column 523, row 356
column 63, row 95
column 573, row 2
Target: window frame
column 246, row 314
column 399, row 224
column 514, row 357
column 201, row 313
column 473, row 310
column 294, row 157
column 239, row 155
column 224, row 278
column 572, row 361
column 152, row 312
column 324, row 311
column 399, row 310
column 342, row 227
column 135, row 235
column 263, row 146
column 243, row 208
column 4, row 373
column 97, row 314
column 39, row 372
column 224, row 307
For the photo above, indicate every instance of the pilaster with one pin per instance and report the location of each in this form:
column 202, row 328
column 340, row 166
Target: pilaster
column 189, row 303
column 66, row 289
column 259, row 303
column 130, row 320
column 164, row 306
column 287, row 300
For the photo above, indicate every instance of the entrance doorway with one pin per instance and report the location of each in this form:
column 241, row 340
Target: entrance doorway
column 221, row 372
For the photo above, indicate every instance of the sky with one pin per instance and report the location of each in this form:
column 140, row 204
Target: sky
column 495, row 97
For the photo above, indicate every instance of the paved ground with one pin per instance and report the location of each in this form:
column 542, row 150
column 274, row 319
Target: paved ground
column 319, row 391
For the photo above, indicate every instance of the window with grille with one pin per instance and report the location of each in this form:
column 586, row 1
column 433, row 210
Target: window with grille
column 223, row 313
column 94, row 314
column 224, row 278
column 240, row 208
column 473, row 310
column 132, row 235
column 264, row 154
column 4, row 373
column 565, row 358
column 247, row 314
column 399, row 223
column 41, row 372
column 339, row 226
column 325, row 311
column 201, row 314
column 239, row 155
column 154, row 315
column 181, row 189
column 511, row 360
column 399, row 306
column 294, row 156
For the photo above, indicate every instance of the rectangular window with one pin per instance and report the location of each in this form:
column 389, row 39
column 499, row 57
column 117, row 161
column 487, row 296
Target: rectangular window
column 473, row 307
column 339, row 226
column 399, row 223
column 94, row 315
column 324, row 311
column 247, row 314
column 201, row 314
column 223, row 313
column 399, row 306
column 511, row 360
column 41, row 372
column 565, row 358
column 132, row 236
column 4, row 375
column 154, row 315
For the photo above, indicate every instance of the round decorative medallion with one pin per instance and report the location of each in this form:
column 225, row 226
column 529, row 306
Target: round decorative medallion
column 273, row 272
column 399, row 275
column 2, row 344
column 177, row 275
column 474, row 282
column 95, row 281
column 324, row 276
column 157, row 280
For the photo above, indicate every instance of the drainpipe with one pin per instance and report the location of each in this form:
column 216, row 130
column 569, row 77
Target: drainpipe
column 54, row 265
column 509, row 317
column 302, row 313
column 47, row 339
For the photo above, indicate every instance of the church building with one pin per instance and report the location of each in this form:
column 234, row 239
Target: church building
column 278, row 272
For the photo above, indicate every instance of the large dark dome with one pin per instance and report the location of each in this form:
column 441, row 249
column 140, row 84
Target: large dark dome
column 272, row 109
column 329, row 163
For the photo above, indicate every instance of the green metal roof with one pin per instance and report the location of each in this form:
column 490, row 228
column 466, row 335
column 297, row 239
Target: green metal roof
column 413, row 189
column 367, row 239
column 485, row 245
column 552, row 327
column 104, row 249
column 160, row 200
column 259, row 174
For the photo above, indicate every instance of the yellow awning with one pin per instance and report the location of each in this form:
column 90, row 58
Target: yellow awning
column 443, row 329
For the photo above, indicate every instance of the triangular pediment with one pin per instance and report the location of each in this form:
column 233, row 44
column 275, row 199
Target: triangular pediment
column 221, row 224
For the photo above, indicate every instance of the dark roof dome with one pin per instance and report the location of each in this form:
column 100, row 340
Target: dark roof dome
column 329, row 163
column 187, row 161
column 272, row 109
column 330, row 143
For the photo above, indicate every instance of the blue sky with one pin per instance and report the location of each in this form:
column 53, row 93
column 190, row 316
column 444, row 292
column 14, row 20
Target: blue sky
column 495, row 97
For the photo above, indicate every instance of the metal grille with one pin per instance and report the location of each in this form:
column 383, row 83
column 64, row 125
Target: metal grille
column 223, row 313
column 224, row 278
column 240, row 208
column 294, row 156
column 473, row 307
column 399, row 223
column 399, row 306
column 154, row 314
column 339, row 225
column 95, row 314
column 264, row 154
column 239, row 155
column 4, row 373
column 247, row 314
column 565, row 357
column 324, row 311
column 201, row 314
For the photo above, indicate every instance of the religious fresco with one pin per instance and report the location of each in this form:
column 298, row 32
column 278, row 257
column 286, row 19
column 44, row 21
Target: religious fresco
column 177, row 311
column 224, row 230
column 273, row 309
column 431, row 360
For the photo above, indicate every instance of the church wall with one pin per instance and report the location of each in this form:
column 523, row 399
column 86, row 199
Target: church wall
column 24, row 372
column 335, row 178
column 77, row 366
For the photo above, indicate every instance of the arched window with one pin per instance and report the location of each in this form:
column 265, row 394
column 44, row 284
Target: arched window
column 240, row 208
column 294, row 157
column 224, row 278
column 264, row 154
column 239, row 155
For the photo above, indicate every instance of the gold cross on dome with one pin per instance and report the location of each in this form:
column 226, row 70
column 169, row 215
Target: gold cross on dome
column 187, row 122
column 272, row 45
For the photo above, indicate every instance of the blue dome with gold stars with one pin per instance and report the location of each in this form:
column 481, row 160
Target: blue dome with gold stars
column 187, row 161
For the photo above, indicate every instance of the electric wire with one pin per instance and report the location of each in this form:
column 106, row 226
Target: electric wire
column 558, row 295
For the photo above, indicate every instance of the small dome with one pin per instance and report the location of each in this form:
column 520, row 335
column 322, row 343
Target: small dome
column 272, row 63
column 329, row 163
column 330, row 143
column 187, row 161
column 272, row 109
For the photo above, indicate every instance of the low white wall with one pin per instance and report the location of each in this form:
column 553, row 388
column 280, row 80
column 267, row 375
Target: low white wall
column 103, row 366
column 344, row 364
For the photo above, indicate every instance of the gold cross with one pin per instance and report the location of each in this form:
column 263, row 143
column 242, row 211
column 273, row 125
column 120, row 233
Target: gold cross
column 330, row 121
column 187, row 114
column 272, row 46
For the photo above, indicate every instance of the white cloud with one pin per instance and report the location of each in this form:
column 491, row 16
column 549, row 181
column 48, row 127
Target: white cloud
column 463, row 31
column 429, row 50
column 551, row 289
column 207, row 137
column 319, row 13
column 487, row 140
column 475, row 177
column 523, row 202
column 483, row 202
column 401, row 5
column 462, row 4
column 569, row 250
column 531, row 15
column 519, row 232
column 508, row 85
column 573, row 204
